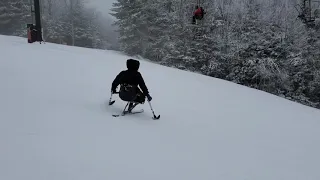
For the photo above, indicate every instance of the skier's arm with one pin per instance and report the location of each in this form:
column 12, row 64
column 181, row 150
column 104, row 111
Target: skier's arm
column 143, row 85
column 116, row 82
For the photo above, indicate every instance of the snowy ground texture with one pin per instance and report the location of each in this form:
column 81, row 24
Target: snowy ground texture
column 54, row 124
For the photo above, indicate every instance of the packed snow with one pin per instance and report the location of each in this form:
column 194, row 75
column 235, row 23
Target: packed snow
column 55, row 123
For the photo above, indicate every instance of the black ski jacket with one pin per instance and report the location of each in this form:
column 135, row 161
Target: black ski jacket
column 131, row 77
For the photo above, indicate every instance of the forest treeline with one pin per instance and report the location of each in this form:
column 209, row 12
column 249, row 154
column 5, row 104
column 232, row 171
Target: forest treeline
column 257, row 43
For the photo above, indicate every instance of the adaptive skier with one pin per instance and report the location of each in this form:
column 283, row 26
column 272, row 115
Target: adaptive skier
column 129, row 80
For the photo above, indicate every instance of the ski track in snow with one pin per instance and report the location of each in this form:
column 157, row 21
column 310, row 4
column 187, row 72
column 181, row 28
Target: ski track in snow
column 55, row 124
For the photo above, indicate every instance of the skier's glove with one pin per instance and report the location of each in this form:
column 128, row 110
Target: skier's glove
column 149, row 97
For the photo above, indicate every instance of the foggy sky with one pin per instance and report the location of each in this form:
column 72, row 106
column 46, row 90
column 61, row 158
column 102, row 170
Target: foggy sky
column 102, row 5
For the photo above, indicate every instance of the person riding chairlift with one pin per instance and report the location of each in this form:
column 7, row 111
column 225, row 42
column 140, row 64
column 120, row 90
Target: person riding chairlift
column 197, row 14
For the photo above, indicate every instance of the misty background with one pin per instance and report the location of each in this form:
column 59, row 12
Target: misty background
column 84, row 23
column 102, row 6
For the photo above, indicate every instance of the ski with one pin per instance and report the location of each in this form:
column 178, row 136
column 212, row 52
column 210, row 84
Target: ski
column 127, row 112
column 111, row 102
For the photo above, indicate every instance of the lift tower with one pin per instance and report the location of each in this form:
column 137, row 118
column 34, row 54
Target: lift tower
column 36, row 15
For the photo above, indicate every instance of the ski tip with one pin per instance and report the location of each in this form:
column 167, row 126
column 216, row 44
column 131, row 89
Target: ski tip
column 111, row 102
column 156, row 117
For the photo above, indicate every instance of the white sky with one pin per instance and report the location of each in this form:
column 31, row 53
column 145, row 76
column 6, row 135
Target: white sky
column 102, row 5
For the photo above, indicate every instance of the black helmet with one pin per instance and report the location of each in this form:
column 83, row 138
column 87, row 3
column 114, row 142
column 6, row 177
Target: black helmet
column 133, row 64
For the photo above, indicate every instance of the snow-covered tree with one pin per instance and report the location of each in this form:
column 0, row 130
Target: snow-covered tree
column 130, row 22
column 258, row 43
column 14, row 15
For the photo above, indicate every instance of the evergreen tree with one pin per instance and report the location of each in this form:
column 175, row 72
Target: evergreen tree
column 159, row 24
column 53, row 25
column 130, row 22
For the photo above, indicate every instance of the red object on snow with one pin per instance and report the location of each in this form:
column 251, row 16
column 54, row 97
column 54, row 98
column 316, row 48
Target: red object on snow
column 29, row 33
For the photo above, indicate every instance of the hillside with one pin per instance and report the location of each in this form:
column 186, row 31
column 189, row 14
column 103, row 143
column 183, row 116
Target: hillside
column 55, row 125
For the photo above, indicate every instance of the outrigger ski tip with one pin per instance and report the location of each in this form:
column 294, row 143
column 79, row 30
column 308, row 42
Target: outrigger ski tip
column 111, row 102
column 156, row 117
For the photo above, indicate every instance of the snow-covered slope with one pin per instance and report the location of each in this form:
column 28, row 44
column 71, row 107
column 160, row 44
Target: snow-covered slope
column 54, row 124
